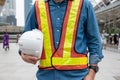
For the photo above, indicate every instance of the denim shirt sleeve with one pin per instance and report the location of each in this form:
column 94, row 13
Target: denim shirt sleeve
column 30, row 22
column 93, row 36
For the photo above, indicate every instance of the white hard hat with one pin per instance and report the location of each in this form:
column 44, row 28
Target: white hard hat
column 31, row 43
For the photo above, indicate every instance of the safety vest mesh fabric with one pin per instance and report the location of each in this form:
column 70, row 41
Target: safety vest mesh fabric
column 65, row 57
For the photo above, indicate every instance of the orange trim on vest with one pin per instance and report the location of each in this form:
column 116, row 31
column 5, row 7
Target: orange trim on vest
column 38, row 15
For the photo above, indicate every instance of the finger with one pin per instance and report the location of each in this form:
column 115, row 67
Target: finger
column 29, row 58
column 32, row 59
column 32, row 62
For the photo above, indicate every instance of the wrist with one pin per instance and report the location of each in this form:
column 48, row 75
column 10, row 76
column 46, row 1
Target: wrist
column 92, row 73
column 94, row 68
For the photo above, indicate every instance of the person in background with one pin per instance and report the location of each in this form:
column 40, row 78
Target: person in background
column 115, row 38
column 110, row 39
column 119, row 41
column 17, row 37
column 6, row 41
column 104, row 39
column 69, row 28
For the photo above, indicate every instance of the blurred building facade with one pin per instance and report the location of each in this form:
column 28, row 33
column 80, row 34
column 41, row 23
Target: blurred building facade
column 7, row 16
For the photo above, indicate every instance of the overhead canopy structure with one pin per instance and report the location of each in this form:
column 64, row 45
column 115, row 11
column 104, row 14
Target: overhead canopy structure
column 108, row 13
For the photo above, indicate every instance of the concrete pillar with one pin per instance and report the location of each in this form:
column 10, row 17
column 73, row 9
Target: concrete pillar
column 2, row 2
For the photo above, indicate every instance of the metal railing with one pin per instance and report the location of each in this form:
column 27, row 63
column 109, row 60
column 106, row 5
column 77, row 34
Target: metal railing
column 13, row 31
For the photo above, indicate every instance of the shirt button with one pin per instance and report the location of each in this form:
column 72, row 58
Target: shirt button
column 58, row 18
column 57, row 42
column 58, row 6
column 58, row 30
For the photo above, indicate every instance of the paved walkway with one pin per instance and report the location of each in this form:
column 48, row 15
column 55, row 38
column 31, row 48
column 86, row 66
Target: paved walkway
column 12, row 67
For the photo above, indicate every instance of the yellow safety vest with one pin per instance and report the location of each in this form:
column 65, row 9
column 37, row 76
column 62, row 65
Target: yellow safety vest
column 65, row 57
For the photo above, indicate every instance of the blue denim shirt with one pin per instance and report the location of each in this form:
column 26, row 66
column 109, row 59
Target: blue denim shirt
column 88, row 36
